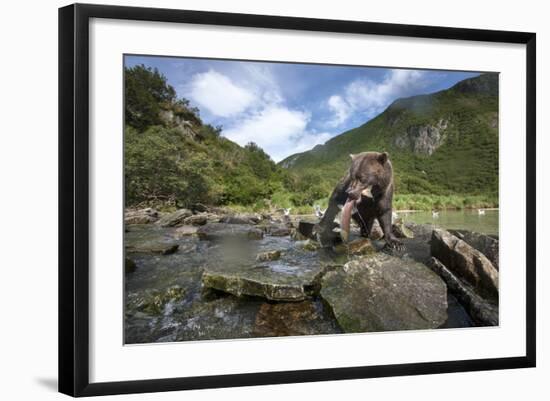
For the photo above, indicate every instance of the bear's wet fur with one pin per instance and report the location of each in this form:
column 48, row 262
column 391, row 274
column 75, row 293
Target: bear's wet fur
column 368, row 170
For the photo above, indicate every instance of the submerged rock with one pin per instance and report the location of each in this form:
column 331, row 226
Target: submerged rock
column 270, row 255
column 384, row 293
column 221, row 231
column 483, row 312
column 129, row 265
column 154, row 301
column 174, row 219
column 311, row 245
column 487, row 245
column 466, row 262
column 141, row 216
column 218, row 318
column 293, row 319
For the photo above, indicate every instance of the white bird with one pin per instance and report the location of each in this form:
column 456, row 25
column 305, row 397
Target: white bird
column 394, row 216
column 435, row 214
column 481, row 212
column 287, row 211
column 318, row 212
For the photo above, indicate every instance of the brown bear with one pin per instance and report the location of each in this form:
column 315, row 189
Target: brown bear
column 367, row 190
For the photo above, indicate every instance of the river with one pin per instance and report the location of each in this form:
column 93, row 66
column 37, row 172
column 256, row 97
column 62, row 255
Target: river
column 457, row 219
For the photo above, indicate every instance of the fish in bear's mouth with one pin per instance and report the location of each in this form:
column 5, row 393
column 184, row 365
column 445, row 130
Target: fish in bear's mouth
column 347, row 211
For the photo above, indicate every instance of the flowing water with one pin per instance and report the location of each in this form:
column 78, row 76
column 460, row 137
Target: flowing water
column 469, row 220
column 166, row 302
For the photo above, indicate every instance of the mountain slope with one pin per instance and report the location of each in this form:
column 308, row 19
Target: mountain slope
column 442, row 143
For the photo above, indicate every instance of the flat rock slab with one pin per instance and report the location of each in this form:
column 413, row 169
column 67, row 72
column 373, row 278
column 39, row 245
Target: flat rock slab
column 158, row 248
column 221, row 231
column 279, row 280
column 385, row 293
column 185, row 231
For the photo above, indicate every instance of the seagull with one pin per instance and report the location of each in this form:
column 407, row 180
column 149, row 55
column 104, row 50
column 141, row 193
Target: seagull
column 394, row 216
column 287, row 211
column 435, row 214
column 318, row 212
column 481, row 212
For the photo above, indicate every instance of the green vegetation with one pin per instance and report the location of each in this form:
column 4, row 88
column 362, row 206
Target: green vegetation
column 173, row 159
column 461, row 172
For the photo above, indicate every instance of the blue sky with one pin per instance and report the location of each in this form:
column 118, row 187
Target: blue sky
column 288, row 108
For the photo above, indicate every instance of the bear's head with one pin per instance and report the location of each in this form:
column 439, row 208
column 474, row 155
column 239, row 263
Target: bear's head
column 370, row 174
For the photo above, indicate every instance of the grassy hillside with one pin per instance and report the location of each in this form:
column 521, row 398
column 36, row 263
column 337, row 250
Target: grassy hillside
column 443, row 146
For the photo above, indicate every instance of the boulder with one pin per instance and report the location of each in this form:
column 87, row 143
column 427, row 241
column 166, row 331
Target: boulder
column 306, row 229
column 297, row 235
column 376, row 232
column 277, row 230
column 221, row 231
column 141, row 216
column 242, row 218
column 293, row 319
column 174, row 219
column 400, row 230
column 483, row 312
column 196, row 220
column 487, row 245
column 384, row 293
column 199, row 208
column 275, row 281
column 466, row 262
column 360, row 246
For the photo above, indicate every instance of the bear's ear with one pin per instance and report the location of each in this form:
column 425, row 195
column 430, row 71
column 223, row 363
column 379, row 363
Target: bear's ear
column 352, row 156
column 383, row 157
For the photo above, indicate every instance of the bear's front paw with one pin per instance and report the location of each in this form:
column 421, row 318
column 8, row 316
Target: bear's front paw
column 394, row 246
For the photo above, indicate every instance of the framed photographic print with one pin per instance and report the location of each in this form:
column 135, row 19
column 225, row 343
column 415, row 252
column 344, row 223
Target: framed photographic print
column 250, row 199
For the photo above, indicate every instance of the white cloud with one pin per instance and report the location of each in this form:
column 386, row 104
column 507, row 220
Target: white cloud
column 278, row 130
column 371, row 98
column 217, row 93
column 341, row 109
column 248, row 102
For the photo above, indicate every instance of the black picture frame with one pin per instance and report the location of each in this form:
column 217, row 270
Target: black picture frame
column 74, row 198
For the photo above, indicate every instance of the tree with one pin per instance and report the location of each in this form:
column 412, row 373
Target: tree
column 146, row 91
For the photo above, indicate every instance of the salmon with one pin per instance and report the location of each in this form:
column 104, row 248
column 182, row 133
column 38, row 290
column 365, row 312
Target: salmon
column 346, row 219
